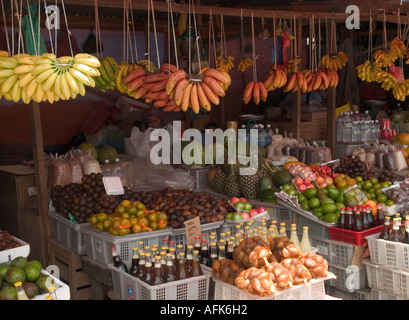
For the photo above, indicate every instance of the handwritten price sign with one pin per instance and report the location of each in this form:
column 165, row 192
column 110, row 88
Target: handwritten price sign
column 192, row 230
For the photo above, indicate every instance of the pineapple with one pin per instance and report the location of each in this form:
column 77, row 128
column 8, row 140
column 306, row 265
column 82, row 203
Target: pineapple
column 217, row 179
column 231, row 187
column 248, row 185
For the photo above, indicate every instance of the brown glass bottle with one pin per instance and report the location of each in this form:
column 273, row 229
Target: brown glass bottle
column 380, row 216
column 213, row 254
column 341, row 220
column 371, row 219
column 182, row 272
column 175, row 259
column 135, row 261
column 396, row 234
column 204, row 253
column 158, row 277
column 198, row 245
column 196, row 269
column 141, row 266
column 189, row 257
column 385, row 231
column 358, row 225
column 229, row 250
column 170, row 271
column 118, row 263
column 349, row 219
column 163, row 263
column 148, row 275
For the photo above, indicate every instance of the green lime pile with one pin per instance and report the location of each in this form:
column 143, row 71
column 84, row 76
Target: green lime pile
column 372, row 188
column 29, row 273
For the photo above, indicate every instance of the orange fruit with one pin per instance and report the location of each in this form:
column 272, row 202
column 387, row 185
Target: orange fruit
column 319, row 180
column 125, row 203
column 373, row 206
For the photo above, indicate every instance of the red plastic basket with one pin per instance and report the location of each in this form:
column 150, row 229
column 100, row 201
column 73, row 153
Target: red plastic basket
column 353, row 237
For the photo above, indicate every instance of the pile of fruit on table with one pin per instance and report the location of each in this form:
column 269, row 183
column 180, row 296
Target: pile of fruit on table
column 330, row 189
column 244, row 209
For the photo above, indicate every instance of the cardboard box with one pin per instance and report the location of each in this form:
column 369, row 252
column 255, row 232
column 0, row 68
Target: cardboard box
column 305, row 128
column 319, row 124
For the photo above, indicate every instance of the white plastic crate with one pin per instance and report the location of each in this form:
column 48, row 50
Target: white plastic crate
column 336, row 252
column 345, row 149
column 201, row 178
column 313, row 290
column 315, row 228
column 349, row 279
column 284, row 215
column 62, row 290
column 388, row 253
column 179, row 235
column 381, row 295
column 9, row 254
column 212, row 284
column 387, row 279
column 340, row 294
column 128, row 287
column 99, row 243
column 363, row 294
column 67, row 233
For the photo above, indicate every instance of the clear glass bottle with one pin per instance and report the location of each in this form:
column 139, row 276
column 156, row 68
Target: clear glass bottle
column 204, row 253
column 406, row 235
column 189, row 257
column 141, row 265
column 21, row 294
column 222, row 253
column 305, row 245
column 163, row 263
column 282, row 232
column 182, row 272
column 347, row 128
column 275, row 232
column 175, row 258
column 135, row 261
column 294, row 236
column 118, row 263
column 172, row 244
column 154, row 253
column 170, row 270
column 140, row 247
column 165, row 244
column 213, row 253
column 385, row 231
column 230, row 249
column 198, row 244
column 196, row 269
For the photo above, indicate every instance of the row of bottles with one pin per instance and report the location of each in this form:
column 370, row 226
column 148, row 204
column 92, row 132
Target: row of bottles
column 359, row 218
column 399, row 231
column 355, row 127
column 265, row 134
column 22, row 295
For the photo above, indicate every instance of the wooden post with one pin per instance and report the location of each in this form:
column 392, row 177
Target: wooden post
column 296, row 99
column 331, row 101
column 40, row 176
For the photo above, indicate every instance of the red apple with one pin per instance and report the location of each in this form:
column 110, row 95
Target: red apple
column 261, row 209
column 309, row 186
column 322, row 185
column 302, row 188
column 307, row 181
column 298, row 181
column 243, row 199
column 253, row 212
column 245, row 215
column 234, row 200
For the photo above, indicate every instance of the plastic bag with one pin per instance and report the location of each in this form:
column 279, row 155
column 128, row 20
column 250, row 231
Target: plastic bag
column 256, row 281
column 284, row 248
column 316, row 264
column 90, row 165
column 400, row 162
column 58, row 172
column 76, row 169
column 251, row 252
column 298, row 271
column 140, row 141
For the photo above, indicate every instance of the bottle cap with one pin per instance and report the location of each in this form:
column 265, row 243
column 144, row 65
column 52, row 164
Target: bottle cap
column 18, row 283
column 49, row 297
column 52, row 288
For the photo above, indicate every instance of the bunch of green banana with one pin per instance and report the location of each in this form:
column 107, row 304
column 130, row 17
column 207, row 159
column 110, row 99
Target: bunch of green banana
column 106, row 79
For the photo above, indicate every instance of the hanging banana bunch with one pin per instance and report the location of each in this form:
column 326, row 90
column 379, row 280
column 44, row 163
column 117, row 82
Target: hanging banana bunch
column 334, row 61
column 292, row 64
column 401, row 90
column 368, row 72
column 226, row 64
column 245, row 64
column 182, row 23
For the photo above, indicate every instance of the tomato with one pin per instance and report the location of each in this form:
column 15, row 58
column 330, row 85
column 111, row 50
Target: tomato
column 307, row 181
column 302, row 188
column 298, row 181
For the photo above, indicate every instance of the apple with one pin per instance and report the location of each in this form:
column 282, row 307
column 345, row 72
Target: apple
column 261, row 209
column 322, row 185
column 298, row 181
column 307, row 181
column 309, row 186
column 243, row 200
column 234, row 200
column 245, row 215
column 253, row 212
column 239, row 205
column 302, row 188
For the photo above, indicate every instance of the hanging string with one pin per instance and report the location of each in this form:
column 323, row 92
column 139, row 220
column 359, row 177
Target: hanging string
column 155, row 34
column 242, row 34
column 49, row 31
column 197, row 36
column 190, row 39
column 319, row 39
column 128, row 37
column 123, row 33
column 295, row 43
column 55, row 34
column 68, row 31
column 12, row 27
column 97, row 30
column 210, row 37
column 148, row 54
column 370, row 43
column 5, row 26
column 254, row 49
column 327, row 34
column 174, row 34
column 133, row 30
column 275, row 41
column 399, row 35
column 32, row 28
column 214, row 41
column 20, row 37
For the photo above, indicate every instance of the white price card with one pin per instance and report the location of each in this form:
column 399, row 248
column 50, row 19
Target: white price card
column 113, row 185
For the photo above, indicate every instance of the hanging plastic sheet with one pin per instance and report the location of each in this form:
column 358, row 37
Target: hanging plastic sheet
column 35, row 43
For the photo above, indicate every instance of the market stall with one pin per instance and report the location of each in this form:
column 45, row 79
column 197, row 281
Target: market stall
column 295, row 201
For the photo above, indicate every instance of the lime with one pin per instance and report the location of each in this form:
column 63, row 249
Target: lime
column 374, row 180
column 314, row 203
column 32, row 272
column 339, row 205
column 236, row 216
column 330, row 217
column 329, row 208
column 378, row 191
column 359, row 185
column 305, row 205
column 367, row 185
column 340, row 198
column 377, row 185
column 384, row 184
column 229, row 216
column 382, row 198
column 293, row 192
column 239, row 205
column 3, row 270
column 131, row 210
column 310, row 193
column 373, row 195
column 317, row 212
column 324, row 190
column 301, row 197
column 287, row 187
column 359, row 179
column 390, row 203
column 342, row 189
column 247, row 206
column 333, row 193
column 36, row 263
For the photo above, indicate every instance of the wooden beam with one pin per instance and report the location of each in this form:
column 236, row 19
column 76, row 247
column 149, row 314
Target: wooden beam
column 296, row 98
column 40, row 176
column 331, row 106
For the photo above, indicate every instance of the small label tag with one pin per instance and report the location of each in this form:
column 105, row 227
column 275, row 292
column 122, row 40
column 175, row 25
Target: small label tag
column 113, row 185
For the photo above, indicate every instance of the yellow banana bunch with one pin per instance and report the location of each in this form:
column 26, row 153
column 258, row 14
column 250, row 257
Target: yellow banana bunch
column 398, row 48
column 292, row 63
column 225, row 64
column 245, row 64
column 182, row 23
column 386, row 79
column 276, row 79
column 367, row 71
column 334, row 61
column 401, row 90
column 384, row 58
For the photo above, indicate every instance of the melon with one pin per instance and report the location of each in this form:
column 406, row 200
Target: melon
column 107, row 153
